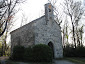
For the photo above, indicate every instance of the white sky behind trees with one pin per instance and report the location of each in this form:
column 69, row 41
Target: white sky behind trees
column 32, row 10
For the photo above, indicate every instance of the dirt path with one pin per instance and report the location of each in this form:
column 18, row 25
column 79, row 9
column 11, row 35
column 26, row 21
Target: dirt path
column 62, row 62
column 3, row 59
column 22, row 63
column 54, row 62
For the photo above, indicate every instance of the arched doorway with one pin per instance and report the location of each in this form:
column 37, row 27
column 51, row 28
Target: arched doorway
column 50, row 44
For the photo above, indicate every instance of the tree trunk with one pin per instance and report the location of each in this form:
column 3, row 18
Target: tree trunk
column 73, row 30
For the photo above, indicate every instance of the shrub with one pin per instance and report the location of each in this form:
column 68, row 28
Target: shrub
column 18, row 52
column 38, row 53
column 28, row 54
column 69, row 51
column 42, row 53
column 79, row 51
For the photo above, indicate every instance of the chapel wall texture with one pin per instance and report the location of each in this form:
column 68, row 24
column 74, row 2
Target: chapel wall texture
column 49, row 31
column 23, row 36
column 40, row 31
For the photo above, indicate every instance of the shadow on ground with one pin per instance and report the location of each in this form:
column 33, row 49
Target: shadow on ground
column 54, row 62
column 3, row 59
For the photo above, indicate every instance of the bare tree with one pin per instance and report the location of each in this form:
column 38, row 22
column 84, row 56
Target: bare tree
column 57, row 13
column 65, row 32
column 4, row 43
column 75, row 11
column 80, row 36
column 7, row 10
column 24, row 19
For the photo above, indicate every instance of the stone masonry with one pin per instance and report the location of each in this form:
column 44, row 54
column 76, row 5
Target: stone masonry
column 43, row 30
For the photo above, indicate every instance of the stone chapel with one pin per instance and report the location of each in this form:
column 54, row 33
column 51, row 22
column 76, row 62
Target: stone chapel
column 44, row 30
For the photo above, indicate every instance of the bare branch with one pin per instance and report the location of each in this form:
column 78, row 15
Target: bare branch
column 7, row 8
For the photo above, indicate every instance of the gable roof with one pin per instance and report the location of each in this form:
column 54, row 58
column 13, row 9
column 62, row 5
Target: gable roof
column 30, row 24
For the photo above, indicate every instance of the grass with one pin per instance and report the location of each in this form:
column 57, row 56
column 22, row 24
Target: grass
column 10, row 62
column 71, row 59
column 18, row 62
column 76, row 60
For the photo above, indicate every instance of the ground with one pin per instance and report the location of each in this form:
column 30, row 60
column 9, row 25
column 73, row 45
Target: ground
column 63, row 62
column 74, row 60
column 77, row 60
column 55, row 62
column 4, row 59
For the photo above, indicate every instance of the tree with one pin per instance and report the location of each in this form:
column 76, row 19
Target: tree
column 75, row 11
column 24, row 19
column 7, row 10
column 65, row 32
column 80, row 36
column 57, row 13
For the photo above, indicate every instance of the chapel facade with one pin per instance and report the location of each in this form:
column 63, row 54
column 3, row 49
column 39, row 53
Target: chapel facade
column 44, row 30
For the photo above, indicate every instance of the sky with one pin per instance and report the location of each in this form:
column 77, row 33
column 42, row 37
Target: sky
column 31, row 9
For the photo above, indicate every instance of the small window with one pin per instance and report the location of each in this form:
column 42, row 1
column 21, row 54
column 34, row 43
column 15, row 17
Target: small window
column 49, row 10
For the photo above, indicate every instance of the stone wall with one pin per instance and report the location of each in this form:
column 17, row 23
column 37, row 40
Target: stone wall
column 39, row 31
column 23, row 36
column 49, row 31
column 43, row 30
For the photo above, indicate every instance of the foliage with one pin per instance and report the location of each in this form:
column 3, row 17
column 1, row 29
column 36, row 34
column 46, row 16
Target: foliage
column 28, row 54
column 76, row 60
column 42, row 53
column 0, row 49
column 37, row 53
column 18, row 52
column 8, row 51
column 70, row 51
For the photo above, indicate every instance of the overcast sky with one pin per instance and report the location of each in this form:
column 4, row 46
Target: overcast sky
column 32, row 10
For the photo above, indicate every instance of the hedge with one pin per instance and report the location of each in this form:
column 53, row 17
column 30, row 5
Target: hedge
column 18, row 53
column 42, row 52
column 37, row 53
column 79, row 51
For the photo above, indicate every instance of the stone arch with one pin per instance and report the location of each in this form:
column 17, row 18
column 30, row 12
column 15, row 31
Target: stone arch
column 50, row 44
